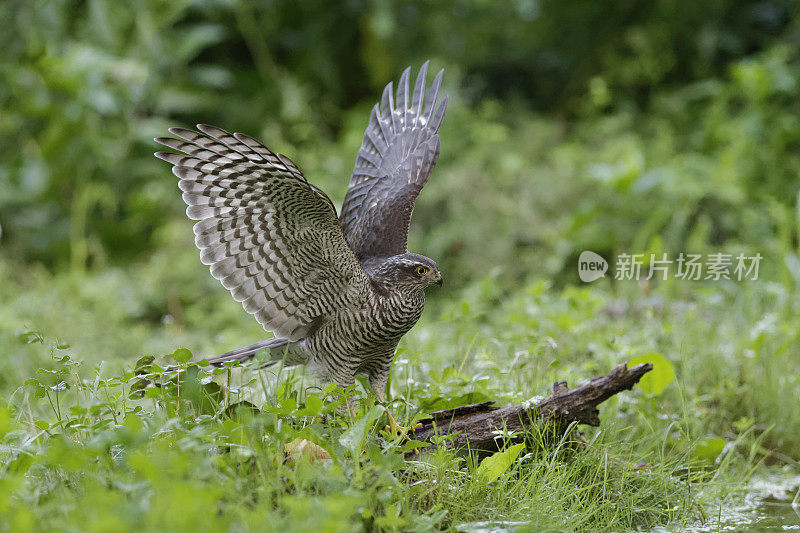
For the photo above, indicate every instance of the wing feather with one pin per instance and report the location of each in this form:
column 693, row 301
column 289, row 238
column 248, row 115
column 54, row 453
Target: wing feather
column 270, row 237
column 396, row 158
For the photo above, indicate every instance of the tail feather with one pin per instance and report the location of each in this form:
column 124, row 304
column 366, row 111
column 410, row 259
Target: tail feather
column 248, row 352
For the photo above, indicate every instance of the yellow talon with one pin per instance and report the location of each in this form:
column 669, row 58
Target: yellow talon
column 396, row 428
column 393, row 426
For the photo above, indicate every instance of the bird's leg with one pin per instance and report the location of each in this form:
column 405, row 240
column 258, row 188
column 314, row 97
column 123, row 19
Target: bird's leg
column 377, row 382
column 393, row 426
column 350, row 411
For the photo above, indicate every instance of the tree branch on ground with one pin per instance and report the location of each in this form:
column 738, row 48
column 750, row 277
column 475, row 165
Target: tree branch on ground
column 480, row 426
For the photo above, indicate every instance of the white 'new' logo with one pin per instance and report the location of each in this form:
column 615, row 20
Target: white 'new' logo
column 591, row 266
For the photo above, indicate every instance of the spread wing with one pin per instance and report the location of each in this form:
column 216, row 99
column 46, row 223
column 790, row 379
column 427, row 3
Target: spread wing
column 268, row 235
column 396, row 157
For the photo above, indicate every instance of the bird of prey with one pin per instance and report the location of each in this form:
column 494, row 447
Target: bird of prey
column 338, row 292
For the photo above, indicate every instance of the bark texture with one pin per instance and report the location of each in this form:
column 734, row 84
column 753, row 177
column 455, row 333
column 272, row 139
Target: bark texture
column 479, row 425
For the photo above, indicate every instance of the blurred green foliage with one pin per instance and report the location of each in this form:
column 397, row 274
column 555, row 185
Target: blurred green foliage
column 574, row 124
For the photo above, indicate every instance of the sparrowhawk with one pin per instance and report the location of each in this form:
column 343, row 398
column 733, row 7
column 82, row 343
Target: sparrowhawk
column 337, row 292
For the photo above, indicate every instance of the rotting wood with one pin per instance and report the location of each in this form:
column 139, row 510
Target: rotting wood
column 479, row 425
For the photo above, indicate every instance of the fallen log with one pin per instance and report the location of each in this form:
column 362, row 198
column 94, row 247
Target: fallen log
column 481, row 426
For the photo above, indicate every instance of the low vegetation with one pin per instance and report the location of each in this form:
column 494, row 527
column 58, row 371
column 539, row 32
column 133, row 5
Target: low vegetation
column 98, row 441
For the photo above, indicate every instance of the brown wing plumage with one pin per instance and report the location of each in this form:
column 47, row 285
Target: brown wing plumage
column 268, row 235
column 397, row 155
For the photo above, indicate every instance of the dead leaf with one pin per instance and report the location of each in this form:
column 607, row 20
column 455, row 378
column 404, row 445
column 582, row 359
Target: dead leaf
column 305, row 448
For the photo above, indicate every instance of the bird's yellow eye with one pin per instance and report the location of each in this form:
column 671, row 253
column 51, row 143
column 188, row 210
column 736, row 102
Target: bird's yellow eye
column 422, row 271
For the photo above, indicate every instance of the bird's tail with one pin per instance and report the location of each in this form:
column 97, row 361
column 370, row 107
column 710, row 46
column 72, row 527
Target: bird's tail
column 280, row 349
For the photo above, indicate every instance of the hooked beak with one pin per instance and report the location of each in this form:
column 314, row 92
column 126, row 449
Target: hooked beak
column 438, row 280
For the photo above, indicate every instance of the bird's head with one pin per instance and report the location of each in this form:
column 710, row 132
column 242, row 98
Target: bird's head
column 407, row 271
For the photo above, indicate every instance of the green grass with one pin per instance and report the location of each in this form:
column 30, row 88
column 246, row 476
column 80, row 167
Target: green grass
column 81, row 449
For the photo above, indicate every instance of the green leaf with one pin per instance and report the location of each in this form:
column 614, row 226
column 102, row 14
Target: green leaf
column 204, row 397
column 392, row 519
column 29, row 337
column 657, row 379
column 493, row 466
column 411, row 445
column 353, row 437
column 332, row 388
column 313, row 406
column 286, row 406
column 133, row 423
column 182, row 355
column 142, row 365
column 60, row 386
column 21, row 464
column 137, row 389
column 243, row 410
column 709, row 448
